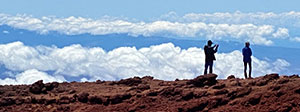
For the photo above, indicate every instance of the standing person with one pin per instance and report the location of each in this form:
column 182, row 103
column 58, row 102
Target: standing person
column 210, row 55
column 247, row 53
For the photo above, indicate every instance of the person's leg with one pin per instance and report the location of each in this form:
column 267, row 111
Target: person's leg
column 205, row 67
column 211, row 67
column 250, row 69
column 245, row 69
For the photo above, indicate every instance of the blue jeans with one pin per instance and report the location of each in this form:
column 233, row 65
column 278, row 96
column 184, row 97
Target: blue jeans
column 210, row 65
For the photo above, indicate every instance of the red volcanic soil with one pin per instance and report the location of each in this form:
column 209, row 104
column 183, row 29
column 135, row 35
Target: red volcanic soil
column 269, row 93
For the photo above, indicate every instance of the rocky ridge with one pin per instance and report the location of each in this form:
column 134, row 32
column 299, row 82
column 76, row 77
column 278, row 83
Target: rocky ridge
column 272, row 93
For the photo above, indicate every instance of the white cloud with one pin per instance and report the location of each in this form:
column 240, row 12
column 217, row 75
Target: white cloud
column 29, row 77
column 297, row 39
column 164, row 61
column 195, row 28
column 281, row 33
column 284, row 19
column 5, row 32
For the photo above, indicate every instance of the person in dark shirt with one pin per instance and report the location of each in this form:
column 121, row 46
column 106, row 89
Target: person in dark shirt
column 247, row 53
column 210, row 56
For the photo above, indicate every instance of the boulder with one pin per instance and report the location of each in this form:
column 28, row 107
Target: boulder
column 147, row 78
column 83, row 97
column 131, row 81
column 255, row 99
column 271, row 76
column 231, row 77
column 7, row 101
column 37, row 87
column 207, row 79
column 50, row 86
column 95, row 100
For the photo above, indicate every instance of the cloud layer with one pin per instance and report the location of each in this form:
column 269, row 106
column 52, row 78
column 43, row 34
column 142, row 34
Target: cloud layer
column 258, row 28
column 284, row 19
column 164, row 61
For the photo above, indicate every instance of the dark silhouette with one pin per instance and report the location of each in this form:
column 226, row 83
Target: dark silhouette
column 210, row 55
column 247, row 53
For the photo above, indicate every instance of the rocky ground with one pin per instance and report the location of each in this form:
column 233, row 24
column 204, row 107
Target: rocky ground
column 269, row 93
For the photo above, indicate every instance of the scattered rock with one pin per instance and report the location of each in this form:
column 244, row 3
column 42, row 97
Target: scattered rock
column 170, row 91
column 50, row 101
column 217, row 101
column 207, row 79
column 83, row 97
column 231, row 77
column 243, row 91
column 235, row 82
column 294, row 76
column 239, row 92
column 131, row 81
column 7, row 101
column 279, row 93
column 147, row 78
column 152, row 93
column 262, row 82
column 297, row 90
column 99, row 82
column 187, row 95
column 274, row 87
column 218, row 86
column 284, row 108
column 19, row 101
column 282, row 81
column 220, row 92
column 50, row 86
column 251, row 83
column 37, row 87
column 193, row 106
column 141, row 87
column 253, row 100
column 271, row 76
column 204, row 93
column 72, row 91
column 119, row 98
column 64, row 100
column 199, row 94
column 95, row 100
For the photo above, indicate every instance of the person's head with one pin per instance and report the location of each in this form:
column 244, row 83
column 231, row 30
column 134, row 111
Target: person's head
column 209, row 42
column 247, row 44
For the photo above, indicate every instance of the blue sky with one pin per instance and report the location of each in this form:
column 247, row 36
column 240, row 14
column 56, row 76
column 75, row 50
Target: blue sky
column 141, row 9
column 87, row 40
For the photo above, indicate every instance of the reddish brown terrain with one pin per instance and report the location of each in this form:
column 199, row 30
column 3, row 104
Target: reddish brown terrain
column 269, row 93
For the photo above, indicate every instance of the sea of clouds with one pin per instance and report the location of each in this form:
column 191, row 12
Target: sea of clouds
column 26, row 64
column 258, row 28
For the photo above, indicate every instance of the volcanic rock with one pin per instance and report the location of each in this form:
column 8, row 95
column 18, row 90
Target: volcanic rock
column 231, row 77
column 83, row 97
column 204, row 93
column 207, row 79
column 130, row 81
column 37, row 87
column 95, row 100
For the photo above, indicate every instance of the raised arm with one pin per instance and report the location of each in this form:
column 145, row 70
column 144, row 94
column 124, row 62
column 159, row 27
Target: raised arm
column 216, row 49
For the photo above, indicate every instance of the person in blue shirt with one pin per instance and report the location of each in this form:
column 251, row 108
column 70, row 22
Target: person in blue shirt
column 210, row 56
column 247, row 53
